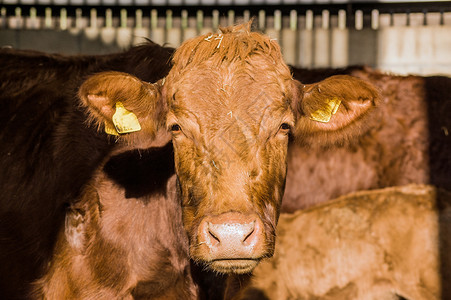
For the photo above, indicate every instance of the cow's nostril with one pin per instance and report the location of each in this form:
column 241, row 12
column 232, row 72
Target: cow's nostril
column 248, row 236
column 213, row 235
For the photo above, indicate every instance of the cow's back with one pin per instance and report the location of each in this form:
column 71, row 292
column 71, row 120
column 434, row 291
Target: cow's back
column 383, row 244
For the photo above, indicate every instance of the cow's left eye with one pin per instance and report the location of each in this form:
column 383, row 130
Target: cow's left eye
column 284, row 129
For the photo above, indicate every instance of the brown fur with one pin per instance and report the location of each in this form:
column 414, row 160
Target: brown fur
column 228, row 93
column 101, row 92
column 233, row 44
column 404, row 141
column 380, row 244
column 356, row 114
column 48, row 151
column 232, row 101
column 116, row 246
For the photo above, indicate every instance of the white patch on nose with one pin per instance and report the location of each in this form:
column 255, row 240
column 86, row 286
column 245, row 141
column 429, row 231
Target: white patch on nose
column 231, row 231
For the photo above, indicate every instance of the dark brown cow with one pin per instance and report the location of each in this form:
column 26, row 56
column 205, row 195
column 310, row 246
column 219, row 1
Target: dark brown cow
column 231, row 102
column 49, row 150
column 405, row 140
column 124, row 237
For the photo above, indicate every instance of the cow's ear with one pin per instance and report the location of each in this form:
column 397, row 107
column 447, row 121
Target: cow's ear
column 121, row 103
column 334, row 111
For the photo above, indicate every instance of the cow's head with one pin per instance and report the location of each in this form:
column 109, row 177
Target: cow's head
column 231, row 105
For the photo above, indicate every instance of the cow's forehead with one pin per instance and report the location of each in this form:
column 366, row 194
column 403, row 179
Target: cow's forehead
column 237, row 89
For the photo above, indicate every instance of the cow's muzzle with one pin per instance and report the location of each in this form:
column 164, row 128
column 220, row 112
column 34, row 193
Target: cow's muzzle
column 232, row 242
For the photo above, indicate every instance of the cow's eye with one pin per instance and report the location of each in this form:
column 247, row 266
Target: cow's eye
column 175, row 128
column 285, row 127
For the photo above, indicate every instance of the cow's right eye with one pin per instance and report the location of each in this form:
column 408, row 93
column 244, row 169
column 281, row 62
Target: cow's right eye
column 175, row 128
column 285, row 126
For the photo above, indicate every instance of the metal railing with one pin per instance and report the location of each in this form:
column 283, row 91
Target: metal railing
column 399, row 37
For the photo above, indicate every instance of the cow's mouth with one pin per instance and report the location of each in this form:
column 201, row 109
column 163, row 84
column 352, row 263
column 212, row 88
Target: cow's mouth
column 237, row 266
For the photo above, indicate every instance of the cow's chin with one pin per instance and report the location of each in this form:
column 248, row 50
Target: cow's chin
column 233, row 266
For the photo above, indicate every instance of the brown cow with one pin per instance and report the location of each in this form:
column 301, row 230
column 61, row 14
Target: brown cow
column 376, row 245
column 231, row 102
column 124, row 238
column 118, row 247
column 406, row 141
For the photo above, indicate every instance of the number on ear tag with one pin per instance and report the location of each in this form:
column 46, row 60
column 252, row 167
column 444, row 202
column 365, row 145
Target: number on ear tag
column 125, row 121
column 325, row 113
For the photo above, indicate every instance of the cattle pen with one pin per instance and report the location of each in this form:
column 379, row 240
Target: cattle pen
column 225, row 149
column 398, row 36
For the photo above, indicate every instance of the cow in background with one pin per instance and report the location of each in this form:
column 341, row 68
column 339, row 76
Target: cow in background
column 384, row 244
column 124, row 237
column 404, row 140
column 48, row 149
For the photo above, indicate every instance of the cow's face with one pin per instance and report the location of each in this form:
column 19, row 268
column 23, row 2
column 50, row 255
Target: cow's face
column 231, row 103
column 230, row 129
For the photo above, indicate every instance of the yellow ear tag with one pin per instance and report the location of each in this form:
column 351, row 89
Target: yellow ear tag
column 325, row 113
column 125, row 121
column 110, row 129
